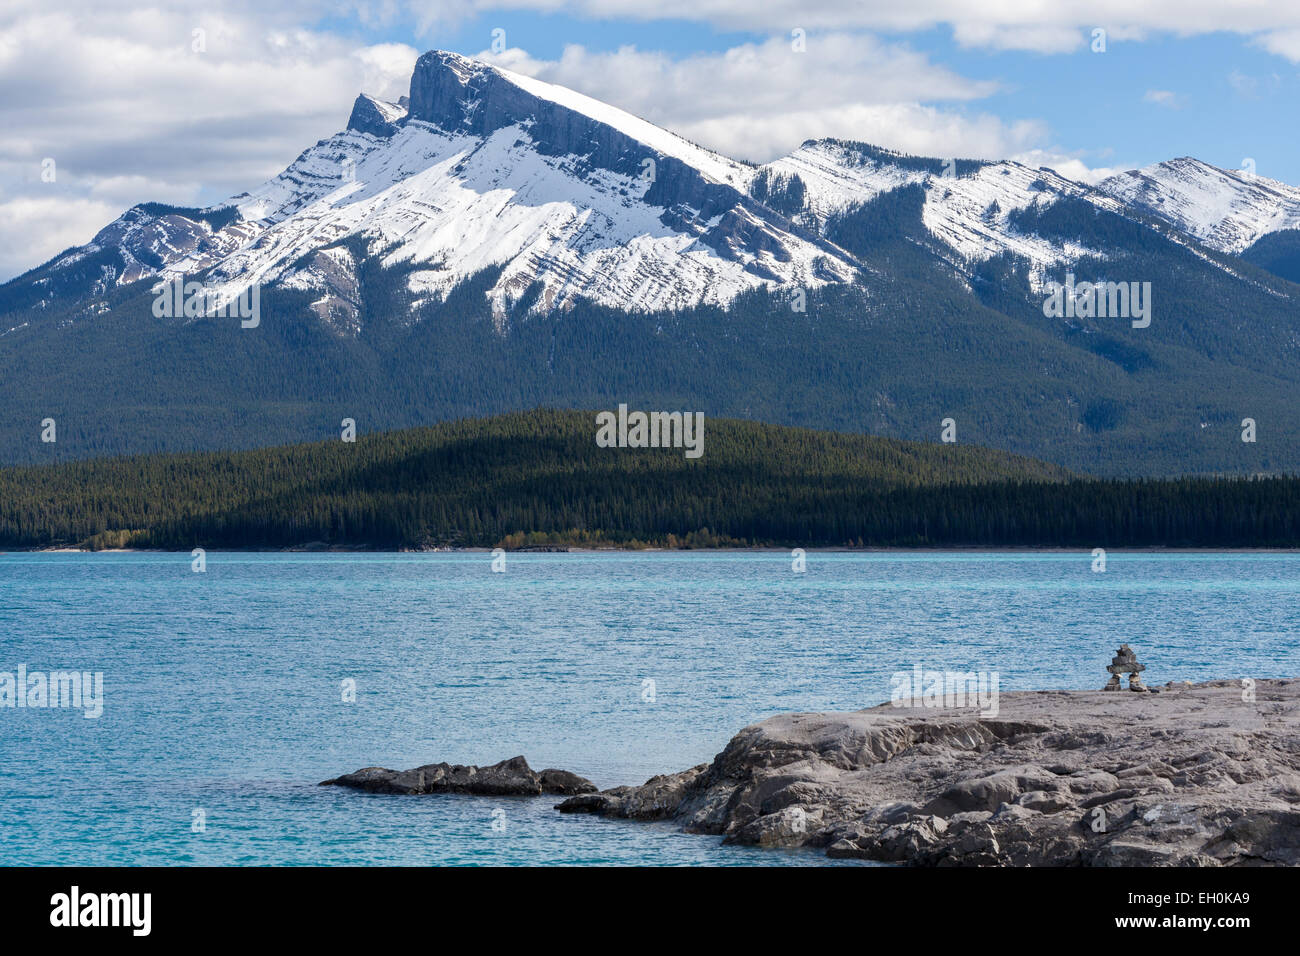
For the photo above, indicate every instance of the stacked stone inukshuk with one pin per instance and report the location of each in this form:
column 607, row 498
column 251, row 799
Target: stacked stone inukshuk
column 1125, row 662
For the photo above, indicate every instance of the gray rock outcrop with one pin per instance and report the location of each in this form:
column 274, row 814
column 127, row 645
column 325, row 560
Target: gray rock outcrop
column 1203, row 775
column 375, row 117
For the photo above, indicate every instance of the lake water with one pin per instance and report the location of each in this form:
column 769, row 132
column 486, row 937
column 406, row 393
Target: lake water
column 222, row 689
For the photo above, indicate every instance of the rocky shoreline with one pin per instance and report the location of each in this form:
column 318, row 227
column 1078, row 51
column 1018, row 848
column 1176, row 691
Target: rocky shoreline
column 1195, row 775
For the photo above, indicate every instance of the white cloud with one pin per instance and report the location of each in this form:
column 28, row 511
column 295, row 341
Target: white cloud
column 1165, row 98
column 1282, row 43
column 33, row 230
column 386, row 69
column 1243, row 85
column 1069, row 165
column 759, row 101
column 1045, row 27
column 119, row 97
column 1039, row 38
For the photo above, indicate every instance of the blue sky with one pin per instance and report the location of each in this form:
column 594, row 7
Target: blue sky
column 1228, row 98
column 116, row 95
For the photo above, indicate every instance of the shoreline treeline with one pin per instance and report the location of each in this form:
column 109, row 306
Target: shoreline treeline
column 539, row 479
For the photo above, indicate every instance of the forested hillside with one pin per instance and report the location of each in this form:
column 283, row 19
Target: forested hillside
column 539, row 478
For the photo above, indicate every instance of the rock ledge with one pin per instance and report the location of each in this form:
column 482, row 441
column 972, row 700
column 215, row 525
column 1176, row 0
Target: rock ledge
column 1197, row 775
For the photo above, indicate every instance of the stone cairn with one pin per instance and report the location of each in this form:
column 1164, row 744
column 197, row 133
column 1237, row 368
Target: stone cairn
column 1125, row 662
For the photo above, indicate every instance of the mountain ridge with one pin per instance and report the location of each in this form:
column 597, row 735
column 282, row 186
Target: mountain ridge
column 494, row 243
column 470, row 101
column 1237, row 208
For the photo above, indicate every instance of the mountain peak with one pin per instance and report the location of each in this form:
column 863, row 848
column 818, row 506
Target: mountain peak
column 446, row 88
column 469, row 97
column 375, row 116
column 1227, row 209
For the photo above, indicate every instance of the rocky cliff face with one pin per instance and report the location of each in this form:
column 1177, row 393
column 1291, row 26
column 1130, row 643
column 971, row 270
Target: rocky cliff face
column 376, row 117
column 1194, row 775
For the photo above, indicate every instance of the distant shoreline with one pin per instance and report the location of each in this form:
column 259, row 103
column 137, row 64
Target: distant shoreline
column 538, row 481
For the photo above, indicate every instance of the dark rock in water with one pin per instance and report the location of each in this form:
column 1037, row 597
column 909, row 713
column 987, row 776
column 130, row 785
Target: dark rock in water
column 509, row 778
column 1204, row 775
column 563, row 782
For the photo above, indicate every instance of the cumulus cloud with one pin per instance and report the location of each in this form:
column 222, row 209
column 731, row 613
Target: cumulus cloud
column 1068, row 164
column 1282, row 43
column 133, row 104
column 1055, row 27
column 758, row 101
column 1039, row 38
column 51, row 225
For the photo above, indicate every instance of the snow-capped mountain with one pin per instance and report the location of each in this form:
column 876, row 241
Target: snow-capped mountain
column 1227, row 210
column 482, row 167
column 574, row 199
column 492, row 243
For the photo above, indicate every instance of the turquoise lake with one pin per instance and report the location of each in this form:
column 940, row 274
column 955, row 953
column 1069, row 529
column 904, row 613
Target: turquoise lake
column 223, row 690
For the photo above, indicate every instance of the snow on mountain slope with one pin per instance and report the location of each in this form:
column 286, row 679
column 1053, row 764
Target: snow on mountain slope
column 375, row 116
column 838, row 175
column 1228, row 210
column 149, row 238
column 719, row 168
column 452, row 205
column 482, row 168
column 967, row 205
column 389, row 112
column 972, row 213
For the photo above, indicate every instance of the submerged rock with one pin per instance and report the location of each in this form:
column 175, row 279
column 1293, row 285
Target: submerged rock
column 508, row 778
column 1206, row 776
